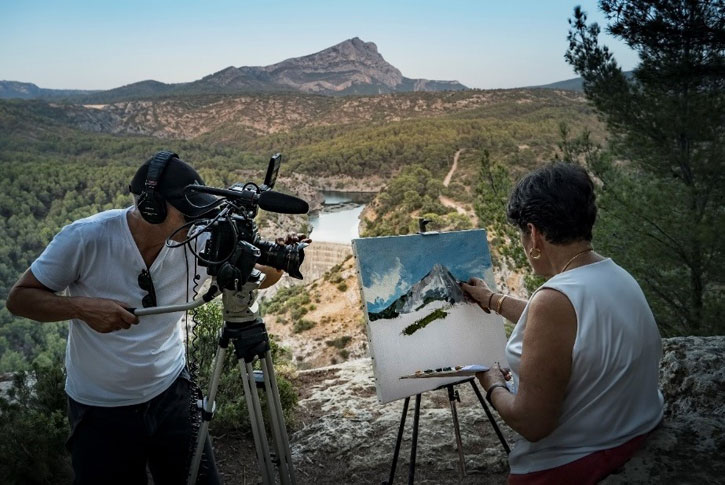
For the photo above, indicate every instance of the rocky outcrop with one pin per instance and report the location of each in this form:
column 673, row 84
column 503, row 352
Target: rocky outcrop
column 350, row 67
column 345, row 436
column 689, row 445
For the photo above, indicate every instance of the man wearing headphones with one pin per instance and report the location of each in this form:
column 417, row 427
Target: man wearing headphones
column 130, row 399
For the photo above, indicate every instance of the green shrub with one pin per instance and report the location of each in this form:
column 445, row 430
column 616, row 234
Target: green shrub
column 231, row 404
column 34, row 428
column 302, row 325
column 298, row 312
column 340, row 342
column 342, row 286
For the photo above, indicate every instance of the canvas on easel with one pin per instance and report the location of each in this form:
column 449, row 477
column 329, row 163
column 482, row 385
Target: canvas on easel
column 417, row 316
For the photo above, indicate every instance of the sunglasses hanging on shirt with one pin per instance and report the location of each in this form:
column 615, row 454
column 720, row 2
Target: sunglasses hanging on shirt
column 146, row 284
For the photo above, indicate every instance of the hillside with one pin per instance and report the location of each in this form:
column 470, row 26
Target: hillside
column 64, row 161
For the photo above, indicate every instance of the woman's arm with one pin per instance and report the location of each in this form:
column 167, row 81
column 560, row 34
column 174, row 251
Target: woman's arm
column 545, row 368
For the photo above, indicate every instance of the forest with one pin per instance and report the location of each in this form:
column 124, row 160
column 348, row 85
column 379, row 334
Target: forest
column 55, row 172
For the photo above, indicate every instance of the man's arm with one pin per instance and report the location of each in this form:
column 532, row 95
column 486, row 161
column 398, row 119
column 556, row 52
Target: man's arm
column 271, row 275
column 31, row 299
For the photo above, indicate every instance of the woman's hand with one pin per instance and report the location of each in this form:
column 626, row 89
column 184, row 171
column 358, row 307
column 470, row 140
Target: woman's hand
column 477, row 290
column 495, row 375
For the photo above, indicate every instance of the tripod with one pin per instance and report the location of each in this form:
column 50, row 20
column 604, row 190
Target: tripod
column 247, row 333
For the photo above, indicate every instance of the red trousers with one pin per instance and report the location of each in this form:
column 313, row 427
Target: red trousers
column 589, row 469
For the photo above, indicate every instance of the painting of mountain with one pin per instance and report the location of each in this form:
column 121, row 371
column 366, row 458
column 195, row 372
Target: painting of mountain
column 417, row 315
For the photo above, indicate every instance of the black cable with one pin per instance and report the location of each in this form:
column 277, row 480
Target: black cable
column 191, row 335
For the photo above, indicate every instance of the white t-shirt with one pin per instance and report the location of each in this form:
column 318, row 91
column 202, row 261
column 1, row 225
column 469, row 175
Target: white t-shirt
column 612, row 395
column 98, row 257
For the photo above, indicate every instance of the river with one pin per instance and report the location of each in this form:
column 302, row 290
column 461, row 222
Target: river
column 339, row 218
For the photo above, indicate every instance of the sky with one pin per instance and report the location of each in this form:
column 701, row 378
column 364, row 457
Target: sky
column 390, row 266
column 102, row 44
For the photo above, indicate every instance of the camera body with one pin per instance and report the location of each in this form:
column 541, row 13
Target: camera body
column 234, row 245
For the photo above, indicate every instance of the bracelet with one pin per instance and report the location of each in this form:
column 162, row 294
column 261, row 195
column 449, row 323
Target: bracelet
column 490, row 390
column 500, row 302
column 489, row 300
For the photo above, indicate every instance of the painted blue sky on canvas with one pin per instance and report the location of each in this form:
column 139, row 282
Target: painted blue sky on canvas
column 389, row 266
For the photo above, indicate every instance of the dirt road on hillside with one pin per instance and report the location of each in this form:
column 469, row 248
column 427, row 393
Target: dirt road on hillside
column 448, row 202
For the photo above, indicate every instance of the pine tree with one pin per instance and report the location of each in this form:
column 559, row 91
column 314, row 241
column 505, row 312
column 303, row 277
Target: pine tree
column 663, row 182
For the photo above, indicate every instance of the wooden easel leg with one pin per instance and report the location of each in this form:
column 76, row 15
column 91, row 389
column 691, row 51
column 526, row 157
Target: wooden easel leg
column 391, row 477
column 452, row 398
column 414, row 444
column 491, row 419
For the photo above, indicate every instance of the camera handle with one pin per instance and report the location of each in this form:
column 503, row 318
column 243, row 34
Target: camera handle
column 156, row 310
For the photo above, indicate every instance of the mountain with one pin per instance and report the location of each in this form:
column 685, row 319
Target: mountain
column 574, row 84
column 20, row 90
column 438, row 285
column 350, row 67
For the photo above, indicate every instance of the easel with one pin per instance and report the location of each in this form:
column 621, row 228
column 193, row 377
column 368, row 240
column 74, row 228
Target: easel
column 452, row 398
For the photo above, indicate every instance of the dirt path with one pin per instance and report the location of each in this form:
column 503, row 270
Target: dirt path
column 448, row 202
column 447, row 180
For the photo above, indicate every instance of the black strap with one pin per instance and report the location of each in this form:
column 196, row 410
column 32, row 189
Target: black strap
column 490, row 390
column 156, row 168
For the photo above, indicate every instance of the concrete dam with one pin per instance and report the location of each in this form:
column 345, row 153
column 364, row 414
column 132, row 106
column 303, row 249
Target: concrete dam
column 321, row 256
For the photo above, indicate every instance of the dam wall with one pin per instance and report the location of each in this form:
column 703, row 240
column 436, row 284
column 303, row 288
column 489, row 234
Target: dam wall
column 321, row 256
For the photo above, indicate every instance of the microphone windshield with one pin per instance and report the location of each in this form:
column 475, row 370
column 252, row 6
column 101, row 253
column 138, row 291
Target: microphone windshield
column 282, row 203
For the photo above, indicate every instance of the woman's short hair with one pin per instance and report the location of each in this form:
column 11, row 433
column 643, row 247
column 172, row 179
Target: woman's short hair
column 558, row 199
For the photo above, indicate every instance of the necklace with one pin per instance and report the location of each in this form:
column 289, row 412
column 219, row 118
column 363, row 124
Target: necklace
column 574, row 257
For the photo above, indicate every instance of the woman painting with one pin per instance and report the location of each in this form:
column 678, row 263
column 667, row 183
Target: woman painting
column 585, row 352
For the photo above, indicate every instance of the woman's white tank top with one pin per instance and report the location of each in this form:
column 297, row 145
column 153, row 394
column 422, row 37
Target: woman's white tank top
column 613, row 393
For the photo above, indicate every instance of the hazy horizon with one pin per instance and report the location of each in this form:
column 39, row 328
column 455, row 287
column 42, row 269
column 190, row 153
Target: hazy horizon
column 82, row 45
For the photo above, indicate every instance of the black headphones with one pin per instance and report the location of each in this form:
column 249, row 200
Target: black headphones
column 151, row 204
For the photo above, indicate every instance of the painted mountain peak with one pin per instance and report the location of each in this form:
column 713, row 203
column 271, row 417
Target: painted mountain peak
column 438, row 285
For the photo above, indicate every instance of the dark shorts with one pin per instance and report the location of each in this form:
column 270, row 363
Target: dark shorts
column 112, row 445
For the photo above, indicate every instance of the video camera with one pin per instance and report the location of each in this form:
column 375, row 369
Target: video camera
column 234, row 244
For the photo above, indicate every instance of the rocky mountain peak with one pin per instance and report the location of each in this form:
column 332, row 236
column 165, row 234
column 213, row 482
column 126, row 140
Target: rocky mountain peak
column 355, row 47
column 338, row 68
column 438, row 284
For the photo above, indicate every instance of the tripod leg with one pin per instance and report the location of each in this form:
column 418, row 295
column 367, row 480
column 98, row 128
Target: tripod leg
column 491, row 419
column 279, row 430
column 452, row 397
column 256, row 422
column 414, row 444
column 207, row 410
column 398, row 441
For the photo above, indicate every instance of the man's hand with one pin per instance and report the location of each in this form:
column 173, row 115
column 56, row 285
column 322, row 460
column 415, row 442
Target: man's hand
column 104, row 315
column 292, row 238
